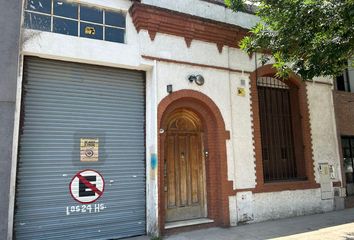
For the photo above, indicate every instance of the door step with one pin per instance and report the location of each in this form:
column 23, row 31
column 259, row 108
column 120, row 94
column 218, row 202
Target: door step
column 349, row 202
column 186, row 223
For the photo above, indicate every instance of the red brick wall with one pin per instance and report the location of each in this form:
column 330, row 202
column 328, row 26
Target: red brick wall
column 159, row 20
column 344, row 107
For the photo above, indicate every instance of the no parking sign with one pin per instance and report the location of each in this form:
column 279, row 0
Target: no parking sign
column 87, row 186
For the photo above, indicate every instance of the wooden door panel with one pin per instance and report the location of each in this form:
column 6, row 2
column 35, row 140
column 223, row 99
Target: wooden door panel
column 185, row 187
column 171, row 154
column 189, row 170
column 194, row 183
column 182, row 176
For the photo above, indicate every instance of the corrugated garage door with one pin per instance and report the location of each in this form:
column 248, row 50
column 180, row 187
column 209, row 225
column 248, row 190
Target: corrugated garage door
column 65, row 106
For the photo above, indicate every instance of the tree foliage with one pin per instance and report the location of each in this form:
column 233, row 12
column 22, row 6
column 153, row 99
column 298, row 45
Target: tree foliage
column 309, row 37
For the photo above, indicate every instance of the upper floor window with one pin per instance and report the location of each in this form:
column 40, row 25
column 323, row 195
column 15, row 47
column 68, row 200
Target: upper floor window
column 345, row 81
column 75, row 19
column 342, row 82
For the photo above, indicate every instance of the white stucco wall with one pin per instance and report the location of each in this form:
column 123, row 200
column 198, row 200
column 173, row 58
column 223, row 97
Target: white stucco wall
column 242, row 134
column 284, row 204
column 173, row 47
column 323, row 127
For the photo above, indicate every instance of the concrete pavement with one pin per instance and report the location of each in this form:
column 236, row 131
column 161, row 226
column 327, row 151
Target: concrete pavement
column 338, row 225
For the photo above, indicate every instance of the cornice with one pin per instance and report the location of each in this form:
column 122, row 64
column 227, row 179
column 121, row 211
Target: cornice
column 160, row 20
column 194, row 64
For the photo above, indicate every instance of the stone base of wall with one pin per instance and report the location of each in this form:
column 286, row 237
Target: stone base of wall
column 268, row 206
column 258, row 207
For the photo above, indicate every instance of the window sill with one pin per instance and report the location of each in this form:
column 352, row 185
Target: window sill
column 284, row 186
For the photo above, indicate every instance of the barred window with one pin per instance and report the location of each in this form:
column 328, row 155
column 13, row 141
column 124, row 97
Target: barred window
column 281, row 140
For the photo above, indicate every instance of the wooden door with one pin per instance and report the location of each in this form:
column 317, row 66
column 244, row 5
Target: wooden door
column 184, row 171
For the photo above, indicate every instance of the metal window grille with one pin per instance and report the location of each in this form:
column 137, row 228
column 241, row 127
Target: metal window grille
column 276, row 130
column 271, row 82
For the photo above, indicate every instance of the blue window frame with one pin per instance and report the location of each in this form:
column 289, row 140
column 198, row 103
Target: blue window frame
column 115, row 19
column 37, row 21
column 65, row 26
column 64, row 9
column 114, row 34
column 75, row 19
column 42, row 6
column 89, row 30
column 90, row 14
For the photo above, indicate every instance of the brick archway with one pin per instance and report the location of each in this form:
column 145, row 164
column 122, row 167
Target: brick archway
column 218, row 187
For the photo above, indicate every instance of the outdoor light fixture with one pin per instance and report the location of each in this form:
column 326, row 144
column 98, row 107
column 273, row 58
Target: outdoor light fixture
column 191, row 78
column 169, row 88
column 198, row 79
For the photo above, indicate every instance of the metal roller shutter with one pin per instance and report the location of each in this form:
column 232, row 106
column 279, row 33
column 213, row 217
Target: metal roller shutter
column 63, row 104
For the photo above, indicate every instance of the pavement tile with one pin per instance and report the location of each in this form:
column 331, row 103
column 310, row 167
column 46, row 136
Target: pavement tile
column 337, row 225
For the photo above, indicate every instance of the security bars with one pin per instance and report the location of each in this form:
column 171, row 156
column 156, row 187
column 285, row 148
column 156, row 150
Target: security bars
column 278, row 152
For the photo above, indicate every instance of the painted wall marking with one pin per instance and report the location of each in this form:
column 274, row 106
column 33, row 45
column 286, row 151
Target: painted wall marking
column 85, row 208
column 153, row 161
column 153, row 166
column 87, row 186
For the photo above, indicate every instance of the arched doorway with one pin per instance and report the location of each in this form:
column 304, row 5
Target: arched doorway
column 198, row 114
column 184, row 171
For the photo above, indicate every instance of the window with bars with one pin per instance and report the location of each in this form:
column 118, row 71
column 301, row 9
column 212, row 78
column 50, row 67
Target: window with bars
column 277, row 124
column 75, row 19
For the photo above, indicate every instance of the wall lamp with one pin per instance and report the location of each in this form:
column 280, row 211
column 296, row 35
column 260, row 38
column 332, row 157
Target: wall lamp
column 169, row 88
column 198, row 79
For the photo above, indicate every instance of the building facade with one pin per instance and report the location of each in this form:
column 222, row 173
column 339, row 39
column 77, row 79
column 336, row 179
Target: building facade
column 343, row 102
column 143, row 117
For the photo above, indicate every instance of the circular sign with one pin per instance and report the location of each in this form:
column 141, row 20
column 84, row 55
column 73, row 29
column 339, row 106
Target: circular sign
column 87, row 186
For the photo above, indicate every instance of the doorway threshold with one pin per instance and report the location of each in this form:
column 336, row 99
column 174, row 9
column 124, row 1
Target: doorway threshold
column 186, row 223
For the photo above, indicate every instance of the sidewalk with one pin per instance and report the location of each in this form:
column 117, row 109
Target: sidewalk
column 338, row 225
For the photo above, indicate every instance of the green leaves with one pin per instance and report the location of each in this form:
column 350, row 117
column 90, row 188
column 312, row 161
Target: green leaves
column 237, row 5
column 283, row 70
column 309, row 37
